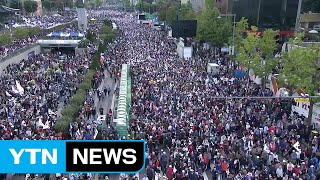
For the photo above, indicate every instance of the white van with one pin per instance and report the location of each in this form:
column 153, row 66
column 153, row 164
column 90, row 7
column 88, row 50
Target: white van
column 316, row 27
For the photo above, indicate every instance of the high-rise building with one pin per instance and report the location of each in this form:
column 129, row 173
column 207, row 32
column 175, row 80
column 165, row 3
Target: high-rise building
column 277, row 14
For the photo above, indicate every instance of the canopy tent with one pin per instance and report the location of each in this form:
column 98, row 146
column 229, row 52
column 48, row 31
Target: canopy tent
column 62, row 34
column 313, row 32
column 56, row 15
column 76, row 34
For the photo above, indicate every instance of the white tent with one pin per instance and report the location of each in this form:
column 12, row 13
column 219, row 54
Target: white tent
column 56, row 15
column 313, row 32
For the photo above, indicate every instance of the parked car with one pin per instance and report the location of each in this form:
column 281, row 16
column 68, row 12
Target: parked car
column 316, row 27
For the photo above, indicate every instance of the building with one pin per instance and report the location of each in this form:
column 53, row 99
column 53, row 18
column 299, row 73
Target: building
column 275, row 14
column 310, row 20
column 224, row 6
column 198, row 5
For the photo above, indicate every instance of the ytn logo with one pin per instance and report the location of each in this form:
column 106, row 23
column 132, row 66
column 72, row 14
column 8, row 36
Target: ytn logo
column 32, row 152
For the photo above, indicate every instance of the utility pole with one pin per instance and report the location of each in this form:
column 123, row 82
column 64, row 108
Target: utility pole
column 258, row 16
column 298, row 16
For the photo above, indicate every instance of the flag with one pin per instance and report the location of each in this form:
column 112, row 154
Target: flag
column 19, row 88
column 70, row 127
column 78, row 134
column 297, row 146
column 13, row 88
column 95, row 133
column 101, row 60
column 8, row 94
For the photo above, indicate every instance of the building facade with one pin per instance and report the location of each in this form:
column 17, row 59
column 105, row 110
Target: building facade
column 276, row 14
column 224, row 6
column 310, row 21
column 198, row 5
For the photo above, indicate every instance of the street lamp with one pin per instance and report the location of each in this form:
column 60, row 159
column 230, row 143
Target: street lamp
column 234, row 27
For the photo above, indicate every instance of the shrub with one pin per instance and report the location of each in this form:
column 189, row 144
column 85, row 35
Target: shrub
column 69, row 114
column 78, row 99
column 61, row 126
column 70, row 110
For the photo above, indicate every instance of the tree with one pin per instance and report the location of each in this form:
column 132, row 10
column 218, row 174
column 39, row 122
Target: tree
column 30, row 6
column 301, row 68
column 3, row 2
column 257, row 53
column 239, row 34
column 16, row 4
column 98, row 3
column 61, row 4
column 126, row 3
column 48, row 5
column 186, row 12
column 311, row 5
column 212, row 29
column 23, row 32
column 267, row 46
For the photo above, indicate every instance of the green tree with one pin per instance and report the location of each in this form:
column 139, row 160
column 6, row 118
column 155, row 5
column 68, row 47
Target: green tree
column 126, row 3
column 23, row 32
column 3, row 2
column 301, row 69
column 186, row 12
column 98, row 3
column 16, row 4
column 257, row 53
column 48, row 5
column 5, row 39
column 248, row 49
column 239, row 34
column 267, row 46
column 212, row 29
column 30, row 6
column 311, row 5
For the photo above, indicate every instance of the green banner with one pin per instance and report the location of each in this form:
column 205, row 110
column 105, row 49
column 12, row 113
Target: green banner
column 123, row 111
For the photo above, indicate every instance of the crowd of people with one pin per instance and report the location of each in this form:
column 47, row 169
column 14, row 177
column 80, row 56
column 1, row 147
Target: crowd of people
column 44, row 22
column 35, row 90
column 193, row 127
column 190, row 124
column 47, row 21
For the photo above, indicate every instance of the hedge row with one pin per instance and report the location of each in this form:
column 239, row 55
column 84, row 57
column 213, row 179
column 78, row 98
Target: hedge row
column 70, row 113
